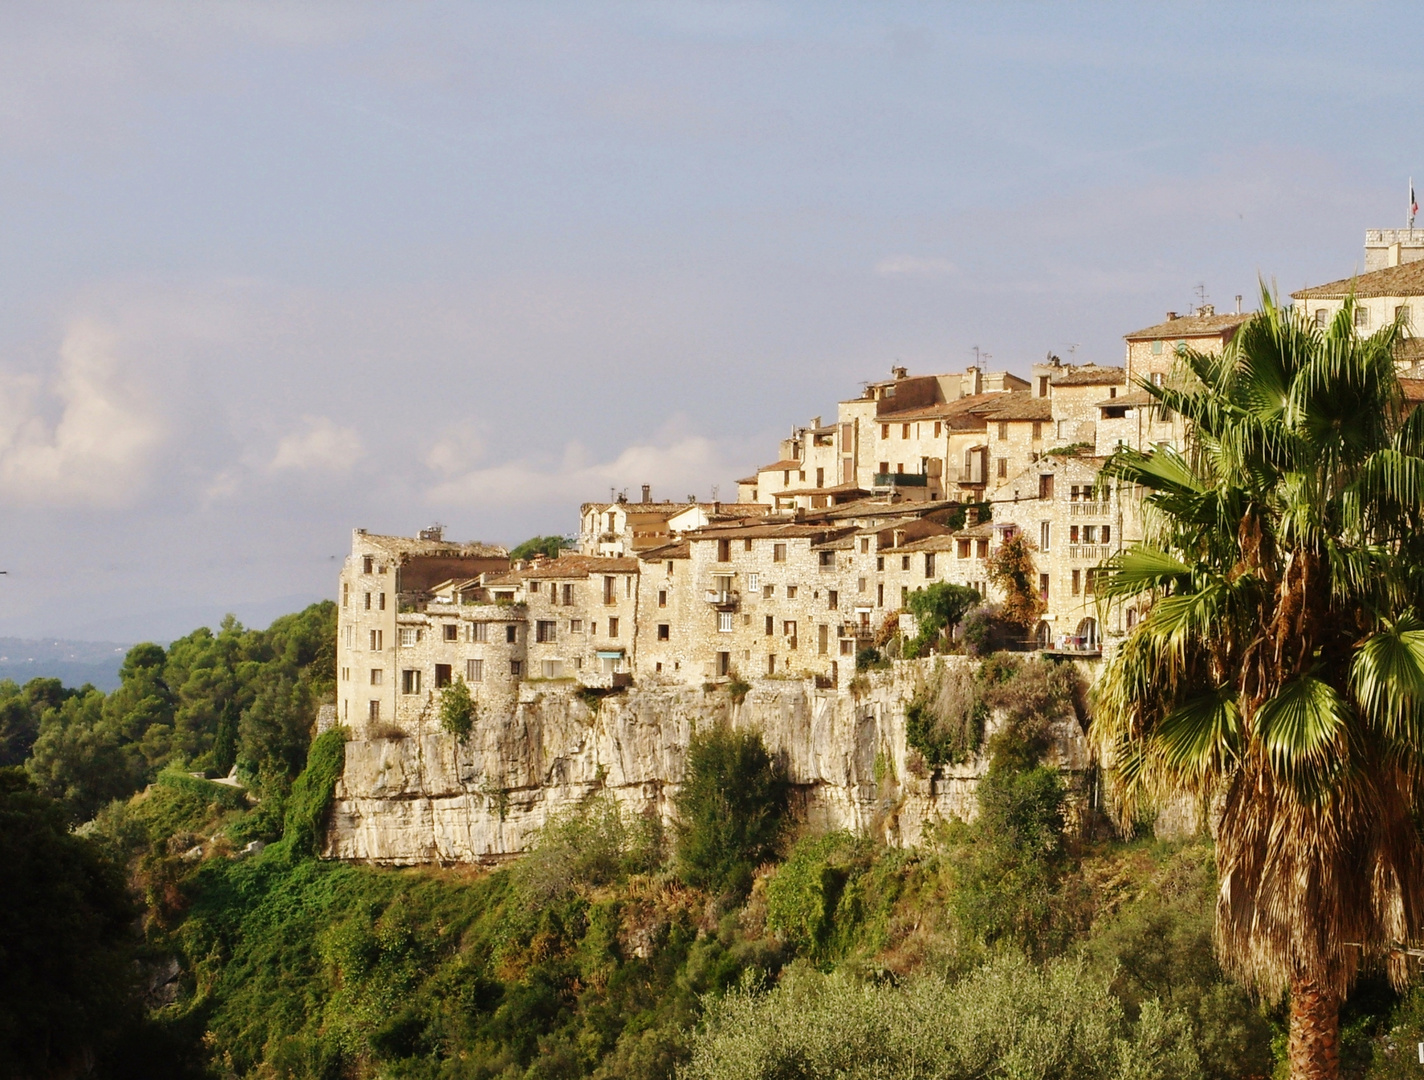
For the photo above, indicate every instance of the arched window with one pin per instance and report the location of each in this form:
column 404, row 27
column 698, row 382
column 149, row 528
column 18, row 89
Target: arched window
column 1044, row 636
column 1087, row 634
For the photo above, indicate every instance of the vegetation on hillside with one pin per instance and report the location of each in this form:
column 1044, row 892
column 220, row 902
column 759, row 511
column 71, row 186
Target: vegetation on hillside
column 548, row 546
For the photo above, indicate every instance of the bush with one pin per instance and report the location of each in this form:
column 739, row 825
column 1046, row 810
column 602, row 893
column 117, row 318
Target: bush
column 312, row 792
column 594, row 844
column 938, row 608
column 1007, row 1018
column 457, row 710
column 945, row 718
column 731, row 809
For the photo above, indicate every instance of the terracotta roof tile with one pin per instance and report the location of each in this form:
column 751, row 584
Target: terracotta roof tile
column 1021, row 405
column 1090, row 375
column 1404, row 280
column 1190, row 326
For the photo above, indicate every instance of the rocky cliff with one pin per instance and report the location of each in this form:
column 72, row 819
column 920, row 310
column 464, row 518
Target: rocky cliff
column 425, row 798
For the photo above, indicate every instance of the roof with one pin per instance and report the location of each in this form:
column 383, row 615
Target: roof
column 1137, row 397
column 680, row 550
column 1190, row 326
column 407, row 545
column 839, row 489
column 784, row 463
column 568, row 566
column 787, row 531
column 1021, row 405
column 1406, row 279
column 1090, row 375
column 965, row 408
column 746, row 480
column 1413, row 389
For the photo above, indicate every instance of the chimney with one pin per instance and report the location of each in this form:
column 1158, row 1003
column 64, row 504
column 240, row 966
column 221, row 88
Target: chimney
column 647, row 493
column 1393, row 255
column 1207, row 309
column 899, row 372
column 815, row 421
column 1238, row 303
column 1171, row 316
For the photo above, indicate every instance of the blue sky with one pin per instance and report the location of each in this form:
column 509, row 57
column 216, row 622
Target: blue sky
column 268, row 272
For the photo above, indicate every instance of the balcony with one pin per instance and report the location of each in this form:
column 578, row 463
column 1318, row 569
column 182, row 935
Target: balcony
column 1092, row 552
column 899, row 479
column 723, row 598
column 1090, row 509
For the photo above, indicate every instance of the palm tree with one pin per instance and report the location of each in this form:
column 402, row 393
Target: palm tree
column 1279, row 669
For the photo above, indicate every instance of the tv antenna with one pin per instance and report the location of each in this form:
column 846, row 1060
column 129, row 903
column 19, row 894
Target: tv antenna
column 1200, row 291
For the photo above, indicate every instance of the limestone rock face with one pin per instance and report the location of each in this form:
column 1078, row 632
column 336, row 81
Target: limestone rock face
column 424, row 798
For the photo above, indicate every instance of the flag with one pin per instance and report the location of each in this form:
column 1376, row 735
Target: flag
column 1413, row 202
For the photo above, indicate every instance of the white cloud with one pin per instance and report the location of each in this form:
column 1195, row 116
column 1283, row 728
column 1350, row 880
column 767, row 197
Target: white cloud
column 681, row 466
column 914, row 266
column 456, row 451
column 324, row 445
column 99, row 450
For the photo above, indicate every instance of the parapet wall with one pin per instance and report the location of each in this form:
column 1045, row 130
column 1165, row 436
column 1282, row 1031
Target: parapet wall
column 425, row 798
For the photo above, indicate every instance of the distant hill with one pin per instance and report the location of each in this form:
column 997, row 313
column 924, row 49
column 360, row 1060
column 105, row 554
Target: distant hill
column 74, row 663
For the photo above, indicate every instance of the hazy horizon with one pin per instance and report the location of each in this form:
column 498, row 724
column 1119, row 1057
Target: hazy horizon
column 274, row 271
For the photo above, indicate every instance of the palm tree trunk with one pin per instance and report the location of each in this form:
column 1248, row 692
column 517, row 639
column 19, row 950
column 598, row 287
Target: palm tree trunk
column 1314, row 1032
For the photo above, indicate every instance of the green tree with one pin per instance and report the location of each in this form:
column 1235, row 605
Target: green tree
column 731, row 809
column 1280, row 661
column 64, row 949
column 938, row 608
column 549, row 546
column 457, row 710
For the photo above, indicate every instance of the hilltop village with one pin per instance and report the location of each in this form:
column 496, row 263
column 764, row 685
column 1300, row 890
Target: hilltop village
column 916, row 480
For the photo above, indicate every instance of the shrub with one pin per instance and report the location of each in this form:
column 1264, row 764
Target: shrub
column 731, row 809
column 312, row 793
column 944, row 720
column 938, row 608
column 457, row 710
column 1006, row 1018
column 1011, row 568
column 596, row 843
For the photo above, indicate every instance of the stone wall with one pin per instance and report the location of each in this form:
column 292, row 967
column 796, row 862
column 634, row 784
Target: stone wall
column 424, row 798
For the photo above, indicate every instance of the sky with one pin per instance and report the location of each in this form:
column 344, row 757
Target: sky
column 269, row 272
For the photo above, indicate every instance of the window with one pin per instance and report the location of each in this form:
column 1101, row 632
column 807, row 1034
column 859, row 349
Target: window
column 474, row 671
column 904, row 562
column 746, row 545
column 628, row 586
column 345, row 591
column 833, row 599
column 516, row 668
column 377, row 676
column 452, row 631
column 1072, row 534
column 1090, row 534
column 346, row 674
column 724, row 622
column 610, row 590
column 545, row 631
column 479, row 631
column 552, row 669
column 1402, row 314
column 885, row 431
column 1045, row 486
column 576, row 626
column 847, row 646
column 785, row 477
column 1362, row 317
column 778, row 553
column 1088, row 582
column 771, row 665
column 1107, row 534
column 788, row 631
column 753, row 582
column 1003, row 467
column 376, row 636
column 664, row 631
column 1322, row 318
column 820, row 482
column 1077, row 582
column 568, row 595
column 662, row 598
column 533, row 586
column 1043, row 586
column 791, row 592
column 880, row 594
column 904, row 431
column 860, row 585
column 885, row 466
column 937, row 428
column 1156, row 348
column 366, row 564
column 983, row 546
column 770, row 625
column 442, row 675
column 1045, row 535
column 1157, row 378
column 612, row 627
column 409, row 635
column 724, row 663
column 929, row 564
column 1037, row 430
column 900, row 469
column 410, row 681
column 1003, row 430
column 373, row 711
column 880, row 562
column 350, row 635
column 768, row 591
column 511, row 633
column 368, row 601
column 904, row 595
column 669, row 568
column 865, row 545
column 826, row 560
